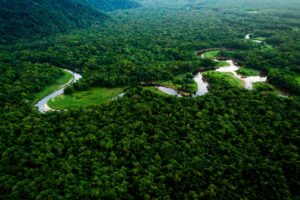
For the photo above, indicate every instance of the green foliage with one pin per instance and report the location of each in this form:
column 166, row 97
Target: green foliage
column 55, row 86
column 222, row 64
column 94, row 96
column 110, row 5
column 118, row 55
column 69, row 90
column 226, row 145
column 31, row 18
column 219, row 80
column 211, row 54
column 24, row 80
column 263, row 87
column 248, row 72
column 285, row 79
column 183, row 82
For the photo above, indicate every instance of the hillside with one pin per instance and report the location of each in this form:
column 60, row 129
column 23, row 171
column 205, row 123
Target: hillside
column 110, row 5
column 30, row 18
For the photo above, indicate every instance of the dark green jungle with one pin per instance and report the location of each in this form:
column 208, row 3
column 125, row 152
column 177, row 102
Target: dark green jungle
column 231, row 143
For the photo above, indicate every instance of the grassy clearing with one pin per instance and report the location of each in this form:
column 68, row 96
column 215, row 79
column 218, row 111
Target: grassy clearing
column 93, row 96
column 52, row 88
column 248, row 72
column 221, row 79
column 211, row 54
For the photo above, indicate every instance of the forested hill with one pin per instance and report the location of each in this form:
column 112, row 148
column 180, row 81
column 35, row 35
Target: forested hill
column 30, row 18
column 110, row 5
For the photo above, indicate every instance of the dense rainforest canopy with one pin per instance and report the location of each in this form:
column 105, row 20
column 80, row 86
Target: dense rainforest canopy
column 231, row 143
column 30, row 18
column 110, row 5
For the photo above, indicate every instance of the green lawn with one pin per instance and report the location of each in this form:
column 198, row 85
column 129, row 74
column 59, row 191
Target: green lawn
column 211, row 54
column 248, row 72
column 90, row 97
column 52, row 88
column 220, row 79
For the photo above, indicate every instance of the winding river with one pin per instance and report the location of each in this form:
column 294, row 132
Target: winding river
column 169, row 91
column 248, row 37
column 248, row 80
column 42, row 105
column 202, row 85
column 232, row 68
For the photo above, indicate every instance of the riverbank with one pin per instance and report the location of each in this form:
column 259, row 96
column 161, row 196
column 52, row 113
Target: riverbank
column 184, row 85
column 42, row 105
column 93, row 96
column 67, row 77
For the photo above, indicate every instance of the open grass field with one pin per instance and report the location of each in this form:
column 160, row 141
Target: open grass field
column 90, row 97
column 56, row 86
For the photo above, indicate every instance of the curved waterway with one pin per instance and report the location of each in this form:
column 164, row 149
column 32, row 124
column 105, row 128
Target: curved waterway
column 42, row 105
column 198, row 78
column 169, row 91
column 248, row 37
column 203, row 85
column 248, row 80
